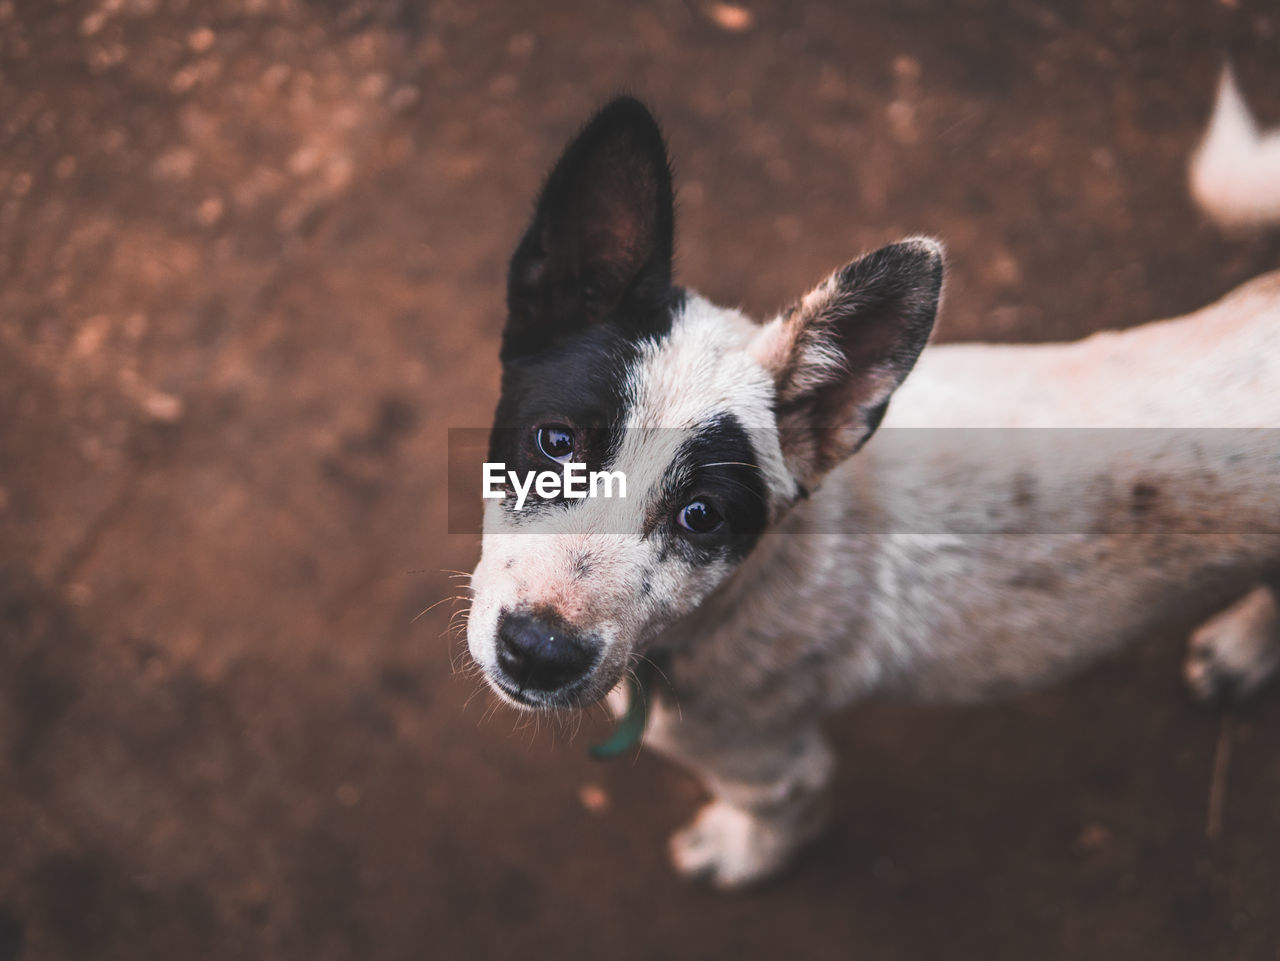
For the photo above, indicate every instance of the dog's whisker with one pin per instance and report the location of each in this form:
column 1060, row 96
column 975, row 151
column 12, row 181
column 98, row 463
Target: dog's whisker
column 461, row 665
column 456, row 620
column 496, row 704
column 741, row 486
column 666, row 678
column 729, row 463
column 443, row 600
column 480, row 689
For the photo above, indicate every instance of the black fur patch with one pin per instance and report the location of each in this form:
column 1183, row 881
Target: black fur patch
column 581, row 384
column 589, row 282
column 601, row 243
column 718, row 464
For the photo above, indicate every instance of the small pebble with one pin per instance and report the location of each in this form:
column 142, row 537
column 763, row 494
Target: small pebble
column 593, row 798
column 201, row 40
column 520, row 45
column 210, row 211
column 93, row 23
column 1093, row 837
column 731, row 17
column 373, row 85
column 906, row 68
column 348, row 794
column 163, row 408
column 404, row 97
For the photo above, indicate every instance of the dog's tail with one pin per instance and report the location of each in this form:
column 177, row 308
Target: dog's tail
column 1235, row 172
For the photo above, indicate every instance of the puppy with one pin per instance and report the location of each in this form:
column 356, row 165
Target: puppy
column 780, row 566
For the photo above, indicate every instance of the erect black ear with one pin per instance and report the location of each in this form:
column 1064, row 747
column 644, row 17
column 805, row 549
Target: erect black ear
column 840, row 353
column 600, row 245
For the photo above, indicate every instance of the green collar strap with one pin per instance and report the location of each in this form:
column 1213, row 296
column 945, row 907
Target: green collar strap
column 629, row 732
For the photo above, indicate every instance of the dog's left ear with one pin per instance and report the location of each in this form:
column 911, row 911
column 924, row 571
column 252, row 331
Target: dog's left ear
column 839, row 354
column 600, row 245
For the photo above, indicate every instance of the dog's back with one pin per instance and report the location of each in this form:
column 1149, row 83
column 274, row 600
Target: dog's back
column 1217, row 367
column 1026, row 508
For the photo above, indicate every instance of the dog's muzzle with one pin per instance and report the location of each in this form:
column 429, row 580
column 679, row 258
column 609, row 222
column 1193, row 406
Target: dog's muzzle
column 541, row 654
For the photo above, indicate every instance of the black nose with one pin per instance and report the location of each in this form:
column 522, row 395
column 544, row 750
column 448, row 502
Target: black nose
column 540, row 654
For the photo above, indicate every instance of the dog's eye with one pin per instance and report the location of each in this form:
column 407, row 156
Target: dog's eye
column 700, row 517
column 556, row 442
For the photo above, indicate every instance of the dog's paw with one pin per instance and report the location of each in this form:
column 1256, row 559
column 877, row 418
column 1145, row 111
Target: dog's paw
column 1233, row 654
column 730, row 847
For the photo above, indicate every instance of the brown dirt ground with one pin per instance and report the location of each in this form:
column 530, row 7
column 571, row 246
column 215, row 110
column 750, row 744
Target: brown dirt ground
column 251, row 261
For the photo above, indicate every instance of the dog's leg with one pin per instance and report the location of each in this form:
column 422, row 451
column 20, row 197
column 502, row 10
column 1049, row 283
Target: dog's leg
column 1234, row 653
column 768, row 799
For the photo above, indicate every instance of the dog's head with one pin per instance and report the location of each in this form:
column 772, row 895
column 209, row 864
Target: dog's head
column 718, row 424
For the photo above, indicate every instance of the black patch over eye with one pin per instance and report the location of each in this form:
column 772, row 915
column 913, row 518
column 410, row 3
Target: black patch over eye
column 556, row 442
column 700, row 517
column 718, row 505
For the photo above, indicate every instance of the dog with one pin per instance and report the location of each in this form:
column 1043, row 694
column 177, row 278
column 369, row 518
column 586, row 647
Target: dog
column 778, row 566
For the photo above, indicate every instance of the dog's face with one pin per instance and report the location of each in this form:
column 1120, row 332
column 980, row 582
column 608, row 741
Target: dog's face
column 718, row 424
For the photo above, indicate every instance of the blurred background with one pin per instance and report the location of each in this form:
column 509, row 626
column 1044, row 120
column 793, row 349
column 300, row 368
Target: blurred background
column 251, row 271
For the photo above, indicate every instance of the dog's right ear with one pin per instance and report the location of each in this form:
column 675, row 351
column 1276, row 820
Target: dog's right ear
column 600, row 245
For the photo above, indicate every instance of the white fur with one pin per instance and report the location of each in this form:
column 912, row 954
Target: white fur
column 1242, row 644
column 1235, row 175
